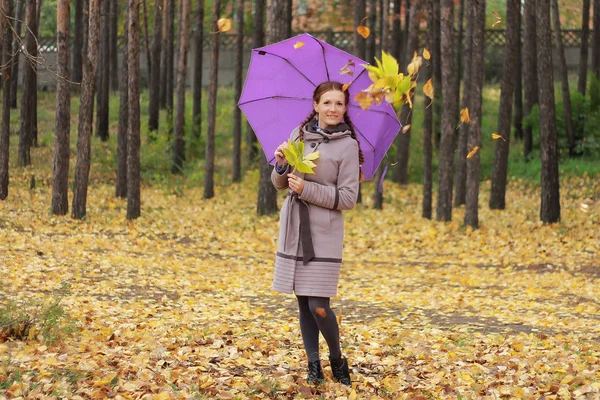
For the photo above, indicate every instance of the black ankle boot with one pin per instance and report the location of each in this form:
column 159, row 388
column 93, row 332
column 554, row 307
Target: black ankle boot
column 340, row 371
column 315, row 373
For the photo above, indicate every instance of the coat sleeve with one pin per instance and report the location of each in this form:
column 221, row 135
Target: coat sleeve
column 280, row 180
column 342, row 197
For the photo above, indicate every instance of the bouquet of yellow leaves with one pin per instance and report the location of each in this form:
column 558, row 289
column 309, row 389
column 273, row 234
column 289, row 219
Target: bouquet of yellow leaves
column 294, row 154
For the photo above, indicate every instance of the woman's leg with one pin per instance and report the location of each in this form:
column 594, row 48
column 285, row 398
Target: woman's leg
column 309, row 329
column 326, row 321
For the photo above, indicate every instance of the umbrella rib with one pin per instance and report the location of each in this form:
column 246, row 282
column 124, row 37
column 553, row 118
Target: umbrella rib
column 324, row 59
column 287, row 61
column 274, row 97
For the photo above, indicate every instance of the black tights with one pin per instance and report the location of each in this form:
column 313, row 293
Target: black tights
column 315, row 316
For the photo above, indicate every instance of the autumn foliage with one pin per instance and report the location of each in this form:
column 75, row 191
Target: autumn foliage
column 177, row 305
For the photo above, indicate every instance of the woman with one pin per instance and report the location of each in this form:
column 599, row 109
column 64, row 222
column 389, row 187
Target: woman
column 309, row 254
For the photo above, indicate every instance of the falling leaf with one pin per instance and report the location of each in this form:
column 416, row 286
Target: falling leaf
column 497, row 136
column 297, row 45
column 426, row 54
column 464, row 117
column 224, row 24
column 428, row 89
column 473, row 152
column 405, row 128
column 364, row 100
column 345, row 70
column 345, row 86
column 498, row 19
column 339, row 317
column 321, row 312
column 363, row 31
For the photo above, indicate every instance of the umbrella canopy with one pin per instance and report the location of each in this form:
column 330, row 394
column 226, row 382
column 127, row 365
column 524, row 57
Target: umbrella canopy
column 277, row 95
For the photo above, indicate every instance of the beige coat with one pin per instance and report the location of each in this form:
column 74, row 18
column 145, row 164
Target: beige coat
column 333, row 188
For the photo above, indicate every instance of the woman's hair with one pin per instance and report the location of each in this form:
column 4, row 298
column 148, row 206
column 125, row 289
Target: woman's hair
column 319, row 91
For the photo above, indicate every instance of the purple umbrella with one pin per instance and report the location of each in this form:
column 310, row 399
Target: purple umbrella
column 277, row 95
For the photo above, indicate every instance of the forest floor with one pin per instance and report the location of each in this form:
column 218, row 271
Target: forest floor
column 177, row 304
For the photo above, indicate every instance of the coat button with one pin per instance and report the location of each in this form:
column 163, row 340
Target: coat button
column 313, row 144
column 326, row 140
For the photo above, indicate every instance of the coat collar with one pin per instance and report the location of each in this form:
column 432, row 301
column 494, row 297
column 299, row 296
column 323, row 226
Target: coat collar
column 311, row 132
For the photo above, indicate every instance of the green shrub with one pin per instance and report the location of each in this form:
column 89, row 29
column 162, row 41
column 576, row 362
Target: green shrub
column 44, row 320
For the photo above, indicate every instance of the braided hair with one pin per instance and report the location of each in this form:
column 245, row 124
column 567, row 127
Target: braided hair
column 319, row 91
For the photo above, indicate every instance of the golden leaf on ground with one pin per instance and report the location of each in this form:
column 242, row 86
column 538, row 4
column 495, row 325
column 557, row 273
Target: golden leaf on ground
column 496, row 136
column 426, row 54
column 224, row 24
column 339, row 317
column 405, row 128
column 473, row 152
column 363, row 31
column 428, row 89
column 297, row 45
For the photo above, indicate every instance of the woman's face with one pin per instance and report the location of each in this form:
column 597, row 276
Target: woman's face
column 331, row 108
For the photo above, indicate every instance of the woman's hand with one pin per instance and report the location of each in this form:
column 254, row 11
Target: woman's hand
column 295, row 183
column 279, row 155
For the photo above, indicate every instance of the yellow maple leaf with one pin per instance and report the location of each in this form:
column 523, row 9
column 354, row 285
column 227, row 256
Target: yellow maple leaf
column 364, row 100
column 345, row 87
column 297, row 45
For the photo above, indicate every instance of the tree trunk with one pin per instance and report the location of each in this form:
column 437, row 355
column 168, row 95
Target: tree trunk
column 85, row 32
column 154, row 84
column 530, row 76
column 209, row 186
column 400, row 174
column 459, row 45
column 449, row 110
column 498, row 193
column 102, row 99
column 382, row 169
column 29, row 87
column 197, row 91
column 179, row 144
column 113, row 47
column 518, row 106
column 396, row 45
column 171, row 57
column 428, row 125
column 372, row 22
column 76, row 70
column 121, row 182
column 401, row 60
column 289, row 12
column 237, row 113
column 460, row 175
column 36, row 53
column 437, row 75
column 60, row 171
column 86, row 113
column 133, row 112
column 267, row 195
column 164, row 55
column 146, row 36
column 562, row 67
column 583, row 52
column 596, row 40
column 474, row 140
column 6, row 93
column 16, row 45
column 359, row 42
column 550, row 202
column 258, row 40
